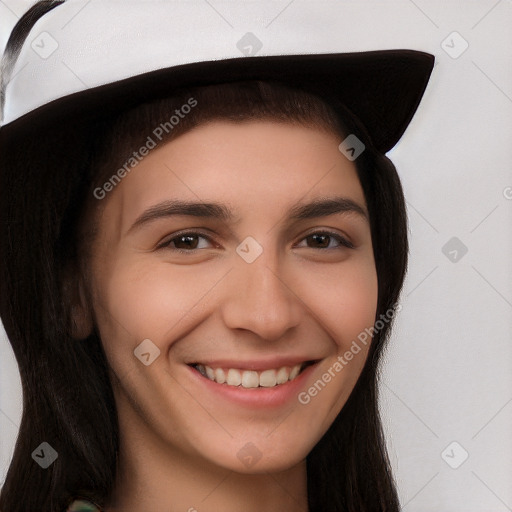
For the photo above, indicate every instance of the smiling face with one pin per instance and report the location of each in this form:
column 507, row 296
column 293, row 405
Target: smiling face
column 238, row 252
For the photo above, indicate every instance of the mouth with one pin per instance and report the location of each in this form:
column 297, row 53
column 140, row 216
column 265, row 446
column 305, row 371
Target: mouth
column 252, row 379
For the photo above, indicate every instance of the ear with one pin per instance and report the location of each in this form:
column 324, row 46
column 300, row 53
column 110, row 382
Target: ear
column 80, row 310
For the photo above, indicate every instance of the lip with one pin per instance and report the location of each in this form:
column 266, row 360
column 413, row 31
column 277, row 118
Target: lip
column 254, row 398
column 257, row 365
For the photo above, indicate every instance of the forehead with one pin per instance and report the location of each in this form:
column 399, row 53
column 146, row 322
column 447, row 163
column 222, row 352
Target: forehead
column 263, row 166
column 247, row 154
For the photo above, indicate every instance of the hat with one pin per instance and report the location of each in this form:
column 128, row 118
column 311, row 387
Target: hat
column 83, row 57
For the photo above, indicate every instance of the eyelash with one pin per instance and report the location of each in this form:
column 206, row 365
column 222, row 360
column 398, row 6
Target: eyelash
column 344, row 243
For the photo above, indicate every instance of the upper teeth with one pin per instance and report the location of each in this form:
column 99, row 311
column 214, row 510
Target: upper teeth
column 250, row 378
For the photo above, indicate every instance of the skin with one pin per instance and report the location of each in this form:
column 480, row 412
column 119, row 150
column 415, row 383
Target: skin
column 179, row 444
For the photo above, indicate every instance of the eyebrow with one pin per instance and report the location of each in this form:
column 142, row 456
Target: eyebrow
column 178, row 207
column 321, row 207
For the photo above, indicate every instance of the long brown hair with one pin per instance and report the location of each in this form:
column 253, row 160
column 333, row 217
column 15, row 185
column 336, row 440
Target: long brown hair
column 46, row 192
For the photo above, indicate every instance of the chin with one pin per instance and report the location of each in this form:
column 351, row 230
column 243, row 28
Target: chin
column 261, row 455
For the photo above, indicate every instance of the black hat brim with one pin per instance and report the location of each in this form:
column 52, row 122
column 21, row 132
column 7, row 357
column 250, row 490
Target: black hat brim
column 381, row 88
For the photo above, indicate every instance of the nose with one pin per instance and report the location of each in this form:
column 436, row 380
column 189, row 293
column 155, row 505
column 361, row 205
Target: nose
column 259, row 299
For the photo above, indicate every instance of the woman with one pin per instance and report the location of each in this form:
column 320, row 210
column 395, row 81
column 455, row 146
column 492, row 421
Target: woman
column 202, row 257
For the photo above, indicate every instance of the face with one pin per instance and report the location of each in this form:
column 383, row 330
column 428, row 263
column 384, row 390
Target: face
column 238, row 252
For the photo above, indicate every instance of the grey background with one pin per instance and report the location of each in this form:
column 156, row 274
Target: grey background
column 447, row 376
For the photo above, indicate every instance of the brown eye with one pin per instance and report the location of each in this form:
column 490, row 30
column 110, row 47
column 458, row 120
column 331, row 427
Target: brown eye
column 319, row 241
column 187, row 242
column 323, row 240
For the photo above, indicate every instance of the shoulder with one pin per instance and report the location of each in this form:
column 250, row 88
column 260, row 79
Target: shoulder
column 82, row 506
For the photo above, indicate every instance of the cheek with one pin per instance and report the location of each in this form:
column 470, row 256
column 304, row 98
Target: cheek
column 344, row 305
column 344, row 301
column 139, row 300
